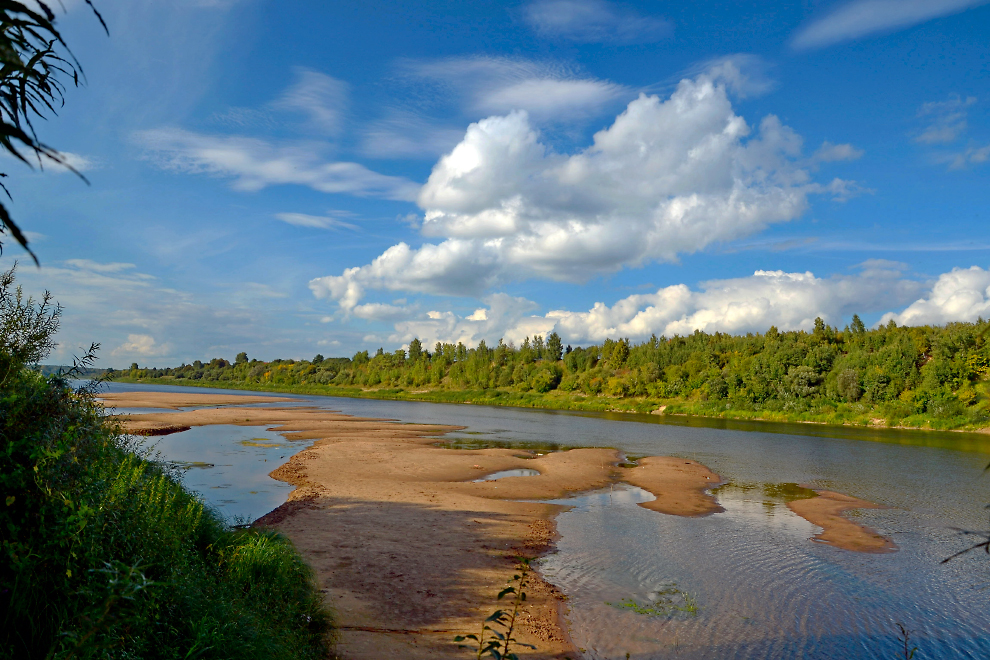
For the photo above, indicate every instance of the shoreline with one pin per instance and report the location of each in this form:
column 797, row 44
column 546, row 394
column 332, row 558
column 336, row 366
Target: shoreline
column 657, row 408
column 420, row 519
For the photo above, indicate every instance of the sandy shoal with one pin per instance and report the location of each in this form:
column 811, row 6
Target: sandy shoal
column 827, row 509
column 408, row 549
column 175, row 401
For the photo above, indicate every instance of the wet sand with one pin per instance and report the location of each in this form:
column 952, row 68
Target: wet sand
column 409, row 550
column 826, row 511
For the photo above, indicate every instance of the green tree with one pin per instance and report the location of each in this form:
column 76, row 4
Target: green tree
column 26, row 328
column 317, row 359
column 241, row 358
column 554, row 347
column 415, row 350
column 857, row 325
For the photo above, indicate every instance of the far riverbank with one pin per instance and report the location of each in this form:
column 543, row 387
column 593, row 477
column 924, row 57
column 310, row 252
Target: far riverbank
column 699, row 414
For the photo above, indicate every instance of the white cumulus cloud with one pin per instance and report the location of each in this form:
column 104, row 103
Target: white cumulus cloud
column 864, row 17
column 141, row 345
column 789, row 301
column 667, row 177
column 960, row 295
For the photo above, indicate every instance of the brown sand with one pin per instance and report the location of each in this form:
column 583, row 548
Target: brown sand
column 826, row 511
column 679, row 484
column 409, row 550
column 176, row 400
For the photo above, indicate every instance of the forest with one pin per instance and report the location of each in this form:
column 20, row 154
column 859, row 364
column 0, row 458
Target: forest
column 925, row 376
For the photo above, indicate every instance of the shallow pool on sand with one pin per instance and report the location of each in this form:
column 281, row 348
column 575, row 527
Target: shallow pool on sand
column 228, row 466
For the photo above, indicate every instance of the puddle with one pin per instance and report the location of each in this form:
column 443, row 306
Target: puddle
column 505, row 474
column 228, row 466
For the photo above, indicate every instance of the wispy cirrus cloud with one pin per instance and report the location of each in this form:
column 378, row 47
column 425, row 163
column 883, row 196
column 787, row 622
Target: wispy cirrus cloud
column 945, row 124
column 254, row 164
column 945, row 121
column 594, row 21
column 548, row 91
column 862, row 18
column 322, row 99
column 316, row 221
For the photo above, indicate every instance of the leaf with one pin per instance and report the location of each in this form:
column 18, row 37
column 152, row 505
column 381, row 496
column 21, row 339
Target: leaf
column 506, row 591
column 10, row 500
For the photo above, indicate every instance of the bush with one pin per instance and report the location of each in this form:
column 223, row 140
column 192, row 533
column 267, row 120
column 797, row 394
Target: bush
column 105, row 554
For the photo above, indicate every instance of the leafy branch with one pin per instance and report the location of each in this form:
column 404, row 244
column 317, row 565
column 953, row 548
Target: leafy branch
column 495, row 640
column 34, row 61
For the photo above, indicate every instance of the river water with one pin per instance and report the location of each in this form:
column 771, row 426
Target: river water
column 754, row 583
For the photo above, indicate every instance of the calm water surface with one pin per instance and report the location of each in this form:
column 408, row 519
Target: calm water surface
column 763, row 588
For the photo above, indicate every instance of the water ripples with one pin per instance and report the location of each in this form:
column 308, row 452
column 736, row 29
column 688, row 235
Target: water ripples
column 764, row 588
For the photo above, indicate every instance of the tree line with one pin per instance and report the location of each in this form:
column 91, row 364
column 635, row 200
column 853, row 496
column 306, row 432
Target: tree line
column 919, row 374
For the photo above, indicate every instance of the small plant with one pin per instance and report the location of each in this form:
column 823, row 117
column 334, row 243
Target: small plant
column 496, row 642
column 905, row 636
column 668, row 601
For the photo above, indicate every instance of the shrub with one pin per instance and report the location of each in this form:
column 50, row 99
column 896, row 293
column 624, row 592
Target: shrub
column 105, row 554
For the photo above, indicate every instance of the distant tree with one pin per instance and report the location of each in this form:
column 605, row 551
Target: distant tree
column 415, row 349
column 26, row 326
column 318, row 359
column 857, row 325
column 554, row 349
column 241, row 358
column 134, row 366
column 848, row 385
column 35, row 66
column 539, row 348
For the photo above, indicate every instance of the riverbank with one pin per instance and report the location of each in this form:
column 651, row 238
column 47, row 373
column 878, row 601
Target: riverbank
column 409, row 548
column 857, row 416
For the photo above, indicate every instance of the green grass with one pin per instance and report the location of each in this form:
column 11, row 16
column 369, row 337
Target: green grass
column 840, row 414
column 106, row 555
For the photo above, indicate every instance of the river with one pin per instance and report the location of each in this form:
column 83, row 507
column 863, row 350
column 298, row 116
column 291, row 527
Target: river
column 760, row 587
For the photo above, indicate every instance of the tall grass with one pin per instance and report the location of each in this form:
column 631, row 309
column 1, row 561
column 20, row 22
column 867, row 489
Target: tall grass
column 106, row 555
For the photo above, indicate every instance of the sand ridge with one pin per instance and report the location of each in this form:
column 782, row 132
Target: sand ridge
column 826, row 511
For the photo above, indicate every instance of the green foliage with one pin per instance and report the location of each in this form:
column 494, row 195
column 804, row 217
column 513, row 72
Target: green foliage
column 27, row 327
column 667, row 601
column 933, row 377
column 495, row 640
column 105, row 554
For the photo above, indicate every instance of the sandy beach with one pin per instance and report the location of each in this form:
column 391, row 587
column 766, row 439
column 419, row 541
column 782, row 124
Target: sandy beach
column 410, row 550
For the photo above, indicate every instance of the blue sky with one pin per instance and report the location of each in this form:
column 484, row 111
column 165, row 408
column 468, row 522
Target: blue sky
column 294, row 178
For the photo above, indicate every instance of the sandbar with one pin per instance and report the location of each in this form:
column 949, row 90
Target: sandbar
column 680, row 485
column 826, row 511
column 182, row 400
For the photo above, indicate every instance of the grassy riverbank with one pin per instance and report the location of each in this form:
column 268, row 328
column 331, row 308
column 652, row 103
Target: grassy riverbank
column 841, row 414
column 106, row 555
